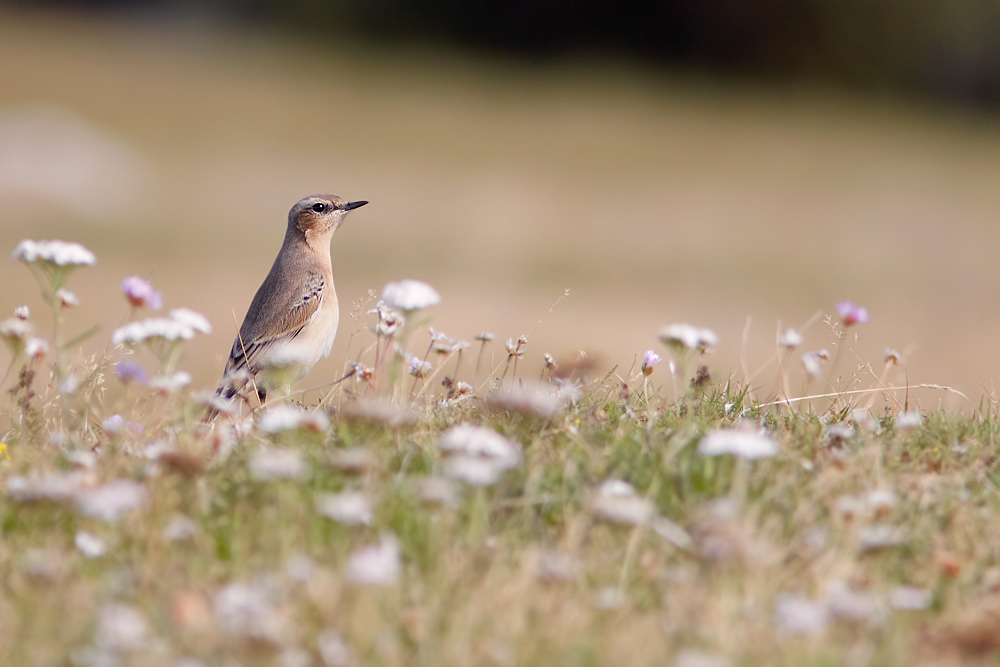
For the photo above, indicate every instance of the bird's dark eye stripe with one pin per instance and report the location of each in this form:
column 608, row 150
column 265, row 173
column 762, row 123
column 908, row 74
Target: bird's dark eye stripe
column 319, row 208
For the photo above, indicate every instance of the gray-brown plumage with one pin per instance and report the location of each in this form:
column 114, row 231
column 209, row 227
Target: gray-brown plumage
column 292, row 320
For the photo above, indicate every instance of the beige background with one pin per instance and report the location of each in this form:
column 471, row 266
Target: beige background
column 655, row 198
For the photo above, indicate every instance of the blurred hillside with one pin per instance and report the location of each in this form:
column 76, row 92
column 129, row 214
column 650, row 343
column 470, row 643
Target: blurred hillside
column 173, row 150
column 948, row 49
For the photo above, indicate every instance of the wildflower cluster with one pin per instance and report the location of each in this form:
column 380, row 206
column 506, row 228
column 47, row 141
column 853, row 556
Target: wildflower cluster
column 334, row 528
column 162, row 336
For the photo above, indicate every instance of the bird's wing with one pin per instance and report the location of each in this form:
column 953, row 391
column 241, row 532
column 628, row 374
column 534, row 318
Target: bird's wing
column 277, row 315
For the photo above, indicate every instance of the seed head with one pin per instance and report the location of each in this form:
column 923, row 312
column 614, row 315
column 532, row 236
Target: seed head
column 790, row 339
column 812, row 364
column 15, row 332
column 893, row 357
column 168, row 383
column 157, row 327
column 514, row 349
column 36, row 348
column 743, row 443
column 410, row 295
column 440, row 343
column 58, row 253
column 391, row 323
column 66, row 298
column 550, row 363
column 376, row 565
column 420, row 368
column 361, row 372
column 686, row 337
column 190, row 318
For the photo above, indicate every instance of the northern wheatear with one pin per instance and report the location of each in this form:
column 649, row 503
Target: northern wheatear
column 292, row 320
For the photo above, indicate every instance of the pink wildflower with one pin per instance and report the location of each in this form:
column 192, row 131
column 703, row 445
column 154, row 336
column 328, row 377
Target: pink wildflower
column 852, row 313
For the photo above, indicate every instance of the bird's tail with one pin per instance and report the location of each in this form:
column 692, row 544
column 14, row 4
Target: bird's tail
column 232, row 390
column 222, row 403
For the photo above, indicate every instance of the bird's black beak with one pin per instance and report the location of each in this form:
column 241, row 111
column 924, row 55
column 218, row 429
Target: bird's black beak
column 351, row 205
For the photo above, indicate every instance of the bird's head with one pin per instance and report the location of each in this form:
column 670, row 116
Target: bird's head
column 320, row 214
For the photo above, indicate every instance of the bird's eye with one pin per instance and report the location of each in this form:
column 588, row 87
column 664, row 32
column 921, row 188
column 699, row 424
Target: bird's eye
column 319, row 208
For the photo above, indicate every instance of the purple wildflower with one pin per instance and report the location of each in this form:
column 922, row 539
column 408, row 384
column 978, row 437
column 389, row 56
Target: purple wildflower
column 140, row 293
column 128, row 371
column 649, row 360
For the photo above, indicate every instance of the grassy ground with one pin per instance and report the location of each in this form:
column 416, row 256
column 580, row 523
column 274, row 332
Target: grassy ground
column 595, row 527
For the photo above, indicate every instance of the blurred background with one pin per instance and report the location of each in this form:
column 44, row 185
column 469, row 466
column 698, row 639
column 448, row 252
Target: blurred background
column 705, row 161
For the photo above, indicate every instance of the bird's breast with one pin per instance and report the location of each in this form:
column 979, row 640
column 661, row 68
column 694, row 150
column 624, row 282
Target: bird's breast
column 321, row 330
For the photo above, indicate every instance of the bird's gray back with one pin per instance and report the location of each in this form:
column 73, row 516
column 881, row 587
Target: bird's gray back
column 286, row 300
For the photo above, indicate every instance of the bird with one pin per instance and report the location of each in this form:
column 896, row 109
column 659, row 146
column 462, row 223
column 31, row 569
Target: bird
column 292, row 321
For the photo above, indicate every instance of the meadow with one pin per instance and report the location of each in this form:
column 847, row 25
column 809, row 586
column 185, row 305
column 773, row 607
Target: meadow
column 433, row 509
